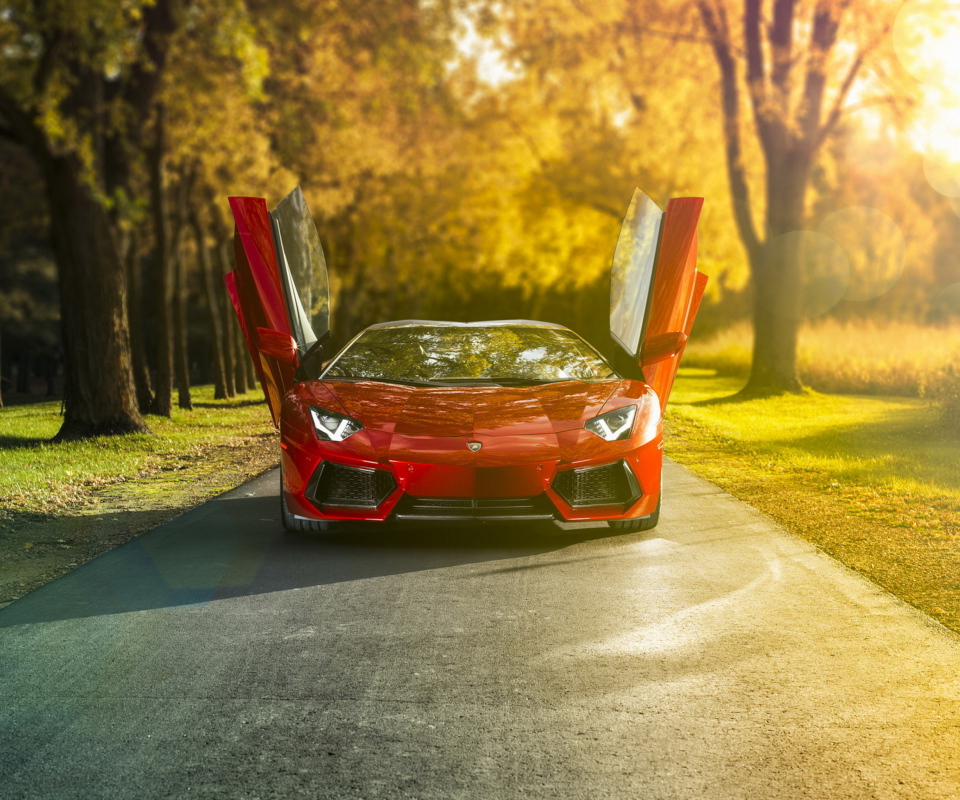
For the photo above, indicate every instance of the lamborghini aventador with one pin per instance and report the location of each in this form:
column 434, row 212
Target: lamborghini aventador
column 436, row 421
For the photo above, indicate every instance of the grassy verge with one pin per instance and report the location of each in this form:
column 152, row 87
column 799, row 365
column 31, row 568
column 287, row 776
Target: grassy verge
column 873, row 481
column 63, row 504
column 884, row 358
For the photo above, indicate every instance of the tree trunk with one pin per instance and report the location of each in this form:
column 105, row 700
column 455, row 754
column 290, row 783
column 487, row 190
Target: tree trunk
column 138, row 350
column 99, row 395
column 163, row 284
column 229, row 366
column 181, row 354
column 220, row 391
column 776, row 280
column 241, row 358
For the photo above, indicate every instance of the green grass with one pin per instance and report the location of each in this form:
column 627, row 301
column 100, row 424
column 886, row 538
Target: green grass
column 877, row 358
column 38, row 476
column 889, row 442
column 872, row 481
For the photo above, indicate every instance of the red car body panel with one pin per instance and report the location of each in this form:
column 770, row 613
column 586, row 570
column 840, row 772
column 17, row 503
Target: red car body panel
column 528, row 439
column 673, row 286
column 260, row 294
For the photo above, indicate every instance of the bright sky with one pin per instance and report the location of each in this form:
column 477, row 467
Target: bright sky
column 926, row 36
column 491, row 67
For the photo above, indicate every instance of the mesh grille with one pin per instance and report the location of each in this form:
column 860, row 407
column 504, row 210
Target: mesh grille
column 594, row 486
column 353, row 488
column 468, row 508
column 441, row 502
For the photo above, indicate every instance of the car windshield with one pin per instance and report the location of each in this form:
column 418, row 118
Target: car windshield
column 469, row 354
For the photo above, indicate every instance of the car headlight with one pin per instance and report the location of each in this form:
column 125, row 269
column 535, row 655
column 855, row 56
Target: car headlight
column 332, row 426
column 613, row 425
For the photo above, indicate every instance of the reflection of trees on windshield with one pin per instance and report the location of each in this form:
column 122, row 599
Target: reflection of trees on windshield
column 438, row 353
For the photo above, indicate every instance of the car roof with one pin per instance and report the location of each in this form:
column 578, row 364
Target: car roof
column 479, row 324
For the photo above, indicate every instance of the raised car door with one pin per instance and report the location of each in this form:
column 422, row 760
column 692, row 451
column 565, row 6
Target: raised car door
column 280, row 277
column 303, row 275
column 632, row 272
column 655, row 288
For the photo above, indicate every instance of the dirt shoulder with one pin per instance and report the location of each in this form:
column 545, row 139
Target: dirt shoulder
column 37, row 548
column 910, row 548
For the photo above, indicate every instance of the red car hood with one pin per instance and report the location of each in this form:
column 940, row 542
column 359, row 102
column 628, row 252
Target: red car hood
column 463, row 411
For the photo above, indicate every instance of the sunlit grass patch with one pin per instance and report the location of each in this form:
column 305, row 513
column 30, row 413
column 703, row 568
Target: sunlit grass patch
column 873, row 481
column 889, row 358
column 890, row 442
column 884, row 458
column 38, row 476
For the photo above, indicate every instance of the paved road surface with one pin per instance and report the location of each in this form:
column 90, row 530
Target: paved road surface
column 717, row 657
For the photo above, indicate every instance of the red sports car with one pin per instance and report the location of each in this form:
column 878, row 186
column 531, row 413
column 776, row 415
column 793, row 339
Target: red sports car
column 466, row 421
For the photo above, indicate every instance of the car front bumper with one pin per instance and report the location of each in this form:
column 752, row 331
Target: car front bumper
column 618, row 487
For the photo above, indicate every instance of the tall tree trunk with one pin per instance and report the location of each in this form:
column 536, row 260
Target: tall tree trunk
column 791, row 128
column 776, row 273
column 229, row 366
column 138, row 350
column 99, row 395
column 220, row 389
column 181, row 293
column 181, row 355
column 163, row 283
column 241, row 358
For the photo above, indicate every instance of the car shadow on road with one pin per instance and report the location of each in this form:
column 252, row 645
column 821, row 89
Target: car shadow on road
column 235, row 546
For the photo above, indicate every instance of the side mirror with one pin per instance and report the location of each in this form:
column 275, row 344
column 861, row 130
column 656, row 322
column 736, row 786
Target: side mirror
column 662, row 347
column 280, row 346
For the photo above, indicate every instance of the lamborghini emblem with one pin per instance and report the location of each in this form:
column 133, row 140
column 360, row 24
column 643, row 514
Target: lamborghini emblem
column 474, row 446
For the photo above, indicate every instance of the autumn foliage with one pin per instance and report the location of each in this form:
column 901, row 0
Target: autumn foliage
column 463, row 160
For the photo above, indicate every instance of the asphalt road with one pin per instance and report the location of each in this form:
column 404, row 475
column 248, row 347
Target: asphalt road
column 715, row 657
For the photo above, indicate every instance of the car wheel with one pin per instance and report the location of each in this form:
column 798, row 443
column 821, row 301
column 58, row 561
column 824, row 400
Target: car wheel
column 647, row 523
column 296, row 524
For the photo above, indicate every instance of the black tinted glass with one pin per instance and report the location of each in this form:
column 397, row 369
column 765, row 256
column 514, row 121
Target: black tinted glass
column 440, row 353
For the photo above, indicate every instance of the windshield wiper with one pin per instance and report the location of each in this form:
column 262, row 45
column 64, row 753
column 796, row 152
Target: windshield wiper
column 401, row 381
column 508, row 381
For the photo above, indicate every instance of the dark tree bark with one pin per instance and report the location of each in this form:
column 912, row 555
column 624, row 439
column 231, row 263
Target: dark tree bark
column 137, row 88
column 790, row 132
column 243, row 372
column 98, row 379
column 163, row 279
column 138, row 350
column 181, row 356
column 220, row 390
column 98, row 384
column 241, row 357
column 99, row 396
column 229, row 367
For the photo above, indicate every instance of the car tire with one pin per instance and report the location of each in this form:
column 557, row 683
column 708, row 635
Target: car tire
column 647, row 523
column 295, row 524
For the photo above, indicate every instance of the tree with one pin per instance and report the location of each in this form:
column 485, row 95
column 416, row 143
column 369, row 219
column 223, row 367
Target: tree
column 68, row 73
column 797, row 79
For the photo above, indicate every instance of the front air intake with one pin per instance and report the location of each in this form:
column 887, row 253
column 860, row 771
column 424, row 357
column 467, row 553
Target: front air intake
column 609, row 485
column 503, row 509
column 350, row 487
